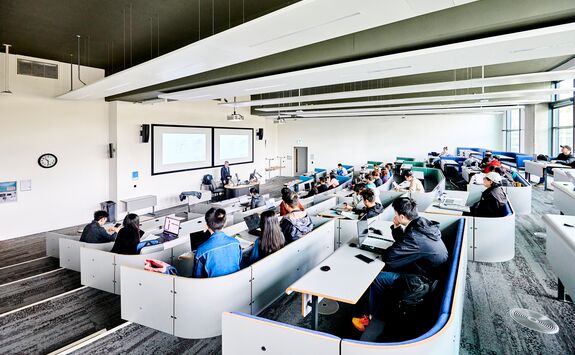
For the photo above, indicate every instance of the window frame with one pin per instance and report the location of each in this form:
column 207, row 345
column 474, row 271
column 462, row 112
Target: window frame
column 554, row 108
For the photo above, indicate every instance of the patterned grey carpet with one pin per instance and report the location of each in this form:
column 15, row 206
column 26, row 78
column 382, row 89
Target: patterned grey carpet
column 27, row 269
column 50, row 325
column 34, row 289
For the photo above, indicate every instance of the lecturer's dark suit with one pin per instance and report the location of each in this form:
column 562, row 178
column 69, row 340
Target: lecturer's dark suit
column 224, row 173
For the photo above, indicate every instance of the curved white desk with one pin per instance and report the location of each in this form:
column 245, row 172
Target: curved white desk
column 564, row 197
column 561, row 250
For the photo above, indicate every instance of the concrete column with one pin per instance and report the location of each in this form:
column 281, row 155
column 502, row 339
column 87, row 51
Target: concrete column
column 536, row 131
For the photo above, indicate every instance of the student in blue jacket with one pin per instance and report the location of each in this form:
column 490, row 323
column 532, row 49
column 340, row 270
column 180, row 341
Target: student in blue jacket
column 219, row 255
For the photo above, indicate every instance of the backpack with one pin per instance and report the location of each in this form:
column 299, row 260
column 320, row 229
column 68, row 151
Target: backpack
column 159, row 266
column 543, row 157
column 411, row 293
column 207, row 179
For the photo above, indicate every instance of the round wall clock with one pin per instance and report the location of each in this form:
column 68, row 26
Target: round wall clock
column 47, row 160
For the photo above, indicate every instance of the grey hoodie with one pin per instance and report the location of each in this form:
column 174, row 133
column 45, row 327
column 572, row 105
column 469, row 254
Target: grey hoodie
column 295, row 224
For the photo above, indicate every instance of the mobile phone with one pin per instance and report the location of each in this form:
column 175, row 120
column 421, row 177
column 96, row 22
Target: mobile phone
column 117, row 225
column 568, row 225
column 364, row 258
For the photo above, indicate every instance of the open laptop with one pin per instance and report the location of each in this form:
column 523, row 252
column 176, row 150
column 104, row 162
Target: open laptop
column 253, row 223
column 244, row 200
column 171, row 229
column 373, row 239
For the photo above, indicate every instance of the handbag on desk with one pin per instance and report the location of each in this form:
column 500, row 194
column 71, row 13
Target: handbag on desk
column 159, row 266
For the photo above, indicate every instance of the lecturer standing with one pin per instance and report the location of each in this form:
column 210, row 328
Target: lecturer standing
column 225, row 174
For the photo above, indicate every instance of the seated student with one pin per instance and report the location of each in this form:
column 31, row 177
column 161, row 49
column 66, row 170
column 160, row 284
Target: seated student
column 341, row 170
column 312, row 190
column 493, row 163
column 333, row 182
column 385, row 175
column 414, row 184
column 219, row 255
column 296, row 223
column 370, row 184
column 95, row 232
column 493, row 199
column 257, row 200
column 286, row 191
column 372, row 206
column 322, row 187
column 271, row 240
column 418, row 251
column 377, row 179
column 129, row 236
column 356, row 198
column 487, row 158
column 565, row 157
column 436, row 162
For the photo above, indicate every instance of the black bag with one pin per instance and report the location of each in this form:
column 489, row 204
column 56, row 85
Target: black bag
column 411, row 293
column 543, row 157
column 207, row 179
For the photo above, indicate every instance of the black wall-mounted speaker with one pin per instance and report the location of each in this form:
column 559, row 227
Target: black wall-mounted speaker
column 145, row 133
column 260, row 134
column 110, row 150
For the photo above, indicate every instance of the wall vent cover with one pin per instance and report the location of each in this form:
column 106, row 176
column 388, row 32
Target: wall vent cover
column 38, row 69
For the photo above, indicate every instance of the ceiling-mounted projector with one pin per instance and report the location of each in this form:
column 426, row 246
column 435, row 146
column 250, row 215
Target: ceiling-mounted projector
column 235, row 117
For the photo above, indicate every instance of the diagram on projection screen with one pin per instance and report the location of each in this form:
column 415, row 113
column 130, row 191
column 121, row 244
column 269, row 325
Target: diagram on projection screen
column 234, row 145
column 180, row 148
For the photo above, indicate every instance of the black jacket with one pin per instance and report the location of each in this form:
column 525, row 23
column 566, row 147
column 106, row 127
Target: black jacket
column 322, row 188
column 95, row 233
column 224, row 174
column 127, row 241
column 369, row 212
column 491, row 204
column 565, row 159
column 294, row 225
column 257, row 201
column 418, row 249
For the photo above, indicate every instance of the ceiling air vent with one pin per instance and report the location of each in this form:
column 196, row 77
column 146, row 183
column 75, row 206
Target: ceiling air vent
column 38, row 69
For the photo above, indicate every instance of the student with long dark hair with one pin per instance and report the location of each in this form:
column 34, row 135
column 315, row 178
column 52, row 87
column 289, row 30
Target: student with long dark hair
column 271, row 240
column 129, row 236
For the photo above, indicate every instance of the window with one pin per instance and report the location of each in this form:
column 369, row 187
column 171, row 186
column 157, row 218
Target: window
column 513, row 130
column 563, row 119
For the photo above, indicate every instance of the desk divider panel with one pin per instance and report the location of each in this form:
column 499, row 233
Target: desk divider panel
column 199, row 303
column 240, row 330
column 322, row 206
column 272, row 275
column 494, row 238
column 560, row 254
column 191, row 226
column 323, row 196
column 148, row 298
column 235, row 228
column 53, row 243
column 137, row 261
column 98, row 269
column 70, row 252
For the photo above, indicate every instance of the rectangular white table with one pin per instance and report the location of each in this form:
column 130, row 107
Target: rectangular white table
column 564, row 197
column 560, row 249
column 346, row 280
column 539, row 168
column 461, row 195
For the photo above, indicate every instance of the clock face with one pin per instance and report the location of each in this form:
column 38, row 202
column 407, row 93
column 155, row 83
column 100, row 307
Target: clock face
column 47, row 160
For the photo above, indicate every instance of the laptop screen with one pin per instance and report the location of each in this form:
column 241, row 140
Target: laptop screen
column 362, row 231
column 172, row 226
column 252, row 221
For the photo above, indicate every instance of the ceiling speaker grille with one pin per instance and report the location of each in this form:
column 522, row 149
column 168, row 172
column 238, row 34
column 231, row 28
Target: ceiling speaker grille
column 534, row 321
column 37, row 69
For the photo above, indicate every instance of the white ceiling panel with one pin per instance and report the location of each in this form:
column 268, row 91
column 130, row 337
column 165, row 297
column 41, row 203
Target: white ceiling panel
column 539, row 94
column 527, row 45
column 409, row 89
column 297, row 25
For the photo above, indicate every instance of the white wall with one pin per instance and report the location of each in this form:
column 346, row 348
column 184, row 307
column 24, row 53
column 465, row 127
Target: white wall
column 355, row 140
column 537, row 129
column 132, row 155
column 67, row 194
